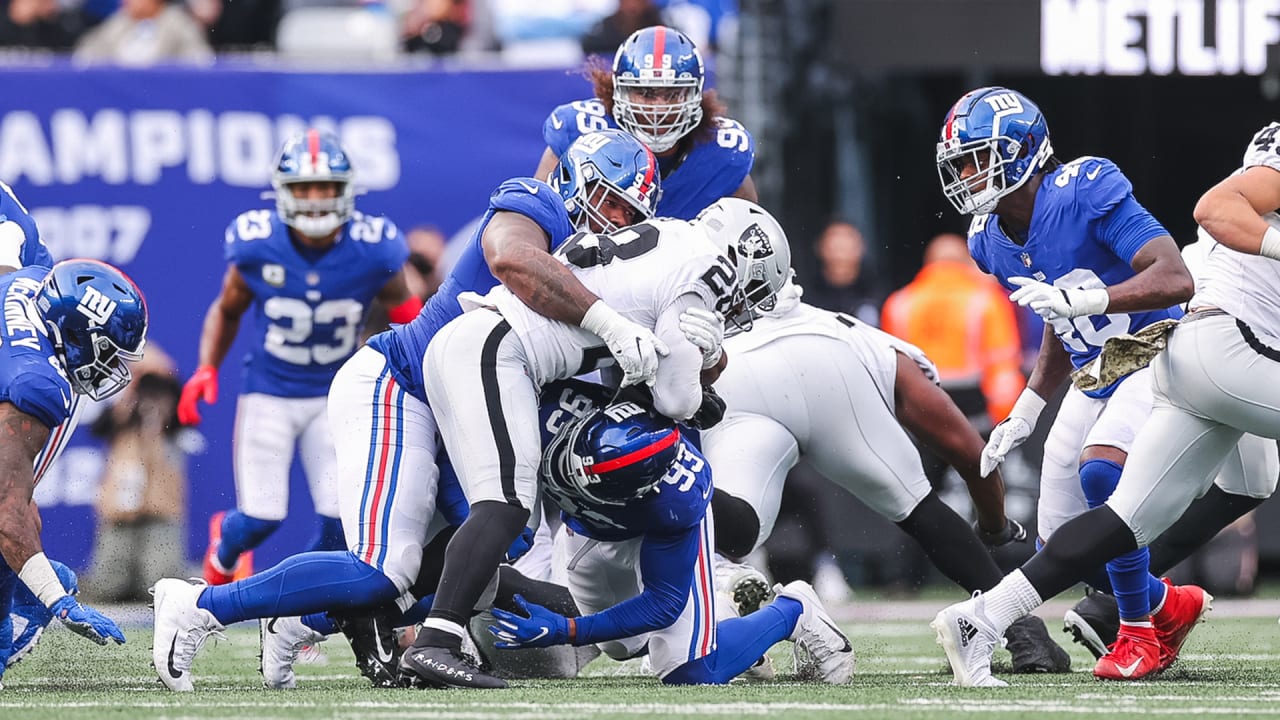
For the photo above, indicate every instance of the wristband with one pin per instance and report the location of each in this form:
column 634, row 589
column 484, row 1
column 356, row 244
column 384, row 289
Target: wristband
column 1029, row 406
column 1270, row 244
column 38, row 575
column 597, row 317
column 573, row 631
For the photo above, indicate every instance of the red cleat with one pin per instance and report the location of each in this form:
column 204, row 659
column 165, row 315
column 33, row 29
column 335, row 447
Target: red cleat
column 212, row 573
column 1134, row 655
column 1184, row 606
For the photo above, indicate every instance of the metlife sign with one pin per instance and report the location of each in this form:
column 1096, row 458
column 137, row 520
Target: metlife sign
column 1058, row 37
column 1135, row 37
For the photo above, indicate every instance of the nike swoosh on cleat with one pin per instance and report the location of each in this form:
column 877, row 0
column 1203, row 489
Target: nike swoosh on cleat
column 1128, row 670
column 271, row 625
column 847, row 647
column 384, row 655
column 174, row 672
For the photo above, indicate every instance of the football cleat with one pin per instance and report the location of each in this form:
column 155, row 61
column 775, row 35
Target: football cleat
column 1134, row 655
column 283, row 639
column 762, row 671
column 1033, row 651
column 746, row 586
column 215, row 575
column 822, row 651
column 969, row 640
column 1093, row 622
column 30, row 616
column 1184, row 606
column 439, row 667
column 181, row 628
column 377, row 650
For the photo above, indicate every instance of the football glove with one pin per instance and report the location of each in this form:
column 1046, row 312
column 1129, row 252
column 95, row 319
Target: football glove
column 1011, row 532
column 635, row 348
column 1012, row 431
column 711, row 412
column 520, row 545
column 704, row 329
column 203, row 385
column 1054, row 303
column 85, row 621
column 542, row 627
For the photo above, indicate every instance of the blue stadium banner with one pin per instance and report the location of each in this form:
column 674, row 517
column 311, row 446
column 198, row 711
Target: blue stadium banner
column 145, row 169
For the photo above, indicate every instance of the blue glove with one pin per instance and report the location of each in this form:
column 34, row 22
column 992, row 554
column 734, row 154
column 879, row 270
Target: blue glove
column 542, row 627
column 85, row 621
column 521, row 545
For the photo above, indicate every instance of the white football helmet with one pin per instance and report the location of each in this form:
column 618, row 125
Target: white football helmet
column 756, row 246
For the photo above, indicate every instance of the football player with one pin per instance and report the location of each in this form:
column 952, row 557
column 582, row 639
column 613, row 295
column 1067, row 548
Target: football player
column 67, row 332
column 1211, row 388
column 654, row 91
column 1248, row 477
column 309, row 270
column 1072, row 243
column 850, row 392
column 385, row 431
column 635, row 492
column 731, row 259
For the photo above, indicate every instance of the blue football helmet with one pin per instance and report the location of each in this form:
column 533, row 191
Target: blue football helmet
column 657, row 86
column 97, row 321
column 602, row 167
column 314, row 156
column 611, row 456
column 999, row 133
column 756, row 246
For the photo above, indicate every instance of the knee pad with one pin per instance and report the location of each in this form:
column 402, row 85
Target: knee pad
column 737, row 525
column 1098, row 479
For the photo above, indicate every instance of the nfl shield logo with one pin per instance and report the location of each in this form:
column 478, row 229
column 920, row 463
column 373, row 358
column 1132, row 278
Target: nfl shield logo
column 1026, row 259
column 273, row 275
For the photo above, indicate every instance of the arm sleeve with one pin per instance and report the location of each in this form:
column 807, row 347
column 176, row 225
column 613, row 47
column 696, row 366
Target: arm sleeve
column 666, row 568
column 677, row 391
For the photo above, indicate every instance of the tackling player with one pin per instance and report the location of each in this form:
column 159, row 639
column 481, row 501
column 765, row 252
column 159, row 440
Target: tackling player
column 309, row 270
column 654, row 91
column 635, row 496
column 1071, row 242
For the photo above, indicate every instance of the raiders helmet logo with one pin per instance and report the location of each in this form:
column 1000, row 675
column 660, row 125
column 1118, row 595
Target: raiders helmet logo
column 754, row 243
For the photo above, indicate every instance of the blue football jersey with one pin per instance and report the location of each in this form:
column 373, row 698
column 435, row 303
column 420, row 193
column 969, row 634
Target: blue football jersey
column 309, row 307
column 676, row 504
column 405, row 345
column 33, row 251
column 710, row 170
column 31, row 376
column 1085, row 229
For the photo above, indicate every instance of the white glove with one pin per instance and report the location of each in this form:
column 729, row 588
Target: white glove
column 704, row 329
column 634, row 346
column 1012, row 431
column 1053, row 303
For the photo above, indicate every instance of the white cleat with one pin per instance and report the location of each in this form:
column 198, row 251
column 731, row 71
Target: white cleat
column 283, row 639
column 822, row 650
column 180, row 629
column 746, row 587
column 762, row 671
column 969, row 640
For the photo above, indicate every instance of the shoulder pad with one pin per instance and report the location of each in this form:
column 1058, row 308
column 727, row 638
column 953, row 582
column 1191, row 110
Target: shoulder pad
column 43, row 395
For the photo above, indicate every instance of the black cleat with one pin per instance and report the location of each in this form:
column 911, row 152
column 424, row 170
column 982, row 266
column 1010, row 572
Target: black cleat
column 377, row 650
column 440, row 667
column 1033, row 650
column 1094, row 622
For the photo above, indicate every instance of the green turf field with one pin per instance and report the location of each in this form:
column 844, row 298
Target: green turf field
column 1229, row 668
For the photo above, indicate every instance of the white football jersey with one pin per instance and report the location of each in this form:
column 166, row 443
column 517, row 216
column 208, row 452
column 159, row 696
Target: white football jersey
column 638, row 271
column 1247, row 286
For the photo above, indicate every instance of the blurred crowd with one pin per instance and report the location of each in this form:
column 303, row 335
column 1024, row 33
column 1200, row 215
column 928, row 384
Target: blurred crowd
column 145, row 32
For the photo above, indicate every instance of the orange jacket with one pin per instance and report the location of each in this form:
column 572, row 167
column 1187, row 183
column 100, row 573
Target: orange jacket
column 966, row 325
